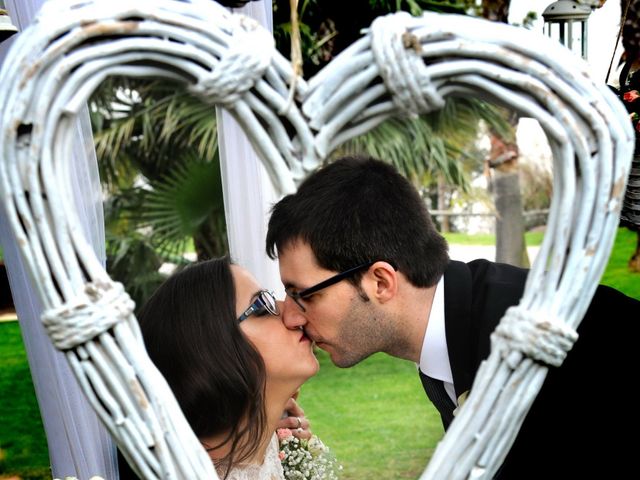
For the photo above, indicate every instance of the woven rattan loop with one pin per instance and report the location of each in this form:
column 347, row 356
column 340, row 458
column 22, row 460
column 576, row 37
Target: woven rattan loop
column 241, row 65
column 403, row 65
column 397, row 53
column 75, row 323
column 544, row 340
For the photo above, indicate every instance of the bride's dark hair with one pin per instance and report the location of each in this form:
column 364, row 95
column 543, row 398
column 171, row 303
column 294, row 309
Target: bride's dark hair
column 192, row 335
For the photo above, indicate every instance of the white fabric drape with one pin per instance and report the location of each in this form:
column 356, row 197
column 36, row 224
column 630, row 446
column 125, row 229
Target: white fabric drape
column 78, row 443
column 247, row 189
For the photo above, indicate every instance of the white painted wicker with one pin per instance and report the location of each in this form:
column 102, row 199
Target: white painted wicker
column 402, row 66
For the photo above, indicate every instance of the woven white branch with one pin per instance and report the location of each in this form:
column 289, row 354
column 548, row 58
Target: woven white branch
column 402, row 66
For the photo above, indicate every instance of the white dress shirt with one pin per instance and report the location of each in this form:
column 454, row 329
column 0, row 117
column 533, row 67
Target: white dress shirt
column 434, row 357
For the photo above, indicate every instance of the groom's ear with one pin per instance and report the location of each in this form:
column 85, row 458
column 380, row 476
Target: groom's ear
column 384, row 279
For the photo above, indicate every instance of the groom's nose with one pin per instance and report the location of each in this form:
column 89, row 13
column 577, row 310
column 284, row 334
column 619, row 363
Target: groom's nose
column 292, row 316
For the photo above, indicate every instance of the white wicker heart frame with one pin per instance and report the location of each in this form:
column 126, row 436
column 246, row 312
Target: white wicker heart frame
column 402, row 66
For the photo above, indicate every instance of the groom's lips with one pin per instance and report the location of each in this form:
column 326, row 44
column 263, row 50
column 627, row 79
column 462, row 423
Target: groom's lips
column 310, row 337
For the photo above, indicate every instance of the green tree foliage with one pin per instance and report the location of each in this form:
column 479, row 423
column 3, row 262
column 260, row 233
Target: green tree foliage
column 157, row 145
column 327, row 27
column 159, row 165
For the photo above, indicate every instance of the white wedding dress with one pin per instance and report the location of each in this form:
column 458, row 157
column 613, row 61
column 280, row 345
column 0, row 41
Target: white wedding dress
column 271, row 468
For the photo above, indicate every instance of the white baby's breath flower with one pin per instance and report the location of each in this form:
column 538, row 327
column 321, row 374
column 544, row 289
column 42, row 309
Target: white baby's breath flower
column 306, row 459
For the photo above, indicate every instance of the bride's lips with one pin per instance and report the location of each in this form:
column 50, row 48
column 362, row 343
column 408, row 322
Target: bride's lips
column 304, row 338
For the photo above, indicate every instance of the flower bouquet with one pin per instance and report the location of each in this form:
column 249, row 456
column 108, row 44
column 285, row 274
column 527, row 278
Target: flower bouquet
column 306, row 459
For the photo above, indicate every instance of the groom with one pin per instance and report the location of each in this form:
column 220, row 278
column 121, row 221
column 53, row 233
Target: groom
column 365, row 271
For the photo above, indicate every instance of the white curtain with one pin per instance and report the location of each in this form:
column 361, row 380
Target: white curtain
column 78, row 443
column 248, row 191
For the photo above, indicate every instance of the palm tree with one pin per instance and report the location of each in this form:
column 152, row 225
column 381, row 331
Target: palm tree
column 505, row 179
column 157, row 147
column 326, row 30
column 434, row 150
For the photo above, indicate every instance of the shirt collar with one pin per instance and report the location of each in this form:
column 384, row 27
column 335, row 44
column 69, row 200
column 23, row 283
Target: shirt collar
column 434, row 357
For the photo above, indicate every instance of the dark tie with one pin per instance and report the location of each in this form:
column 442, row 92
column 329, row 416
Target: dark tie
column 439, row 397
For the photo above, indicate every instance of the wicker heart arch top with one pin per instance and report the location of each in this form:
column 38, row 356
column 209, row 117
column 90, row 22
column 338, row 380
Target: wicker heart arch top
column 402, row 66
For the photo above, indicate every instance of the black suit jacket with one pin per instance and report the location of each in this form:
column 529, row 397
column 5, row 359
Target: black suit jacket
column 575, row 427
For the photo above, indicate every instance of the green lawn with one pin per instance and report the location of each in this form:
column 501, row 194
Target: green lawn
column 374, row 416
column 616, row 275
column 23, row 448
column 531, row 238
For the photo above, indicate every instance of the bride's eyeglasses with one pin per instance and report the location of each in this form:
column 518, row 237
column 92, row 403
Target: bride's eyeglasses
column 263, row 304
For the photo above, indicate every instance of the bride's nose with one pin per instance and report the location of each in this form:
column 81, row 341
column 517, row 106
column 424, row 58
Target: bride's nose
column 292, row 317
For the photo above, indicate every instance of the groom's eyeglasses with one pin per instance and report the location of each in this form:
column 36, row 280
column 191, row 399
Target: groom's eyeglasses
column 265, row 303
column 302, row 294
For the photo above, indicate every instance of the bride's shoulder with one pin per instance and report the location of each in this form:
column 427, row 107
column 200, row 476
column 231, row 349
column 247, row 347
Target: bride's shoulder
column 271, row 468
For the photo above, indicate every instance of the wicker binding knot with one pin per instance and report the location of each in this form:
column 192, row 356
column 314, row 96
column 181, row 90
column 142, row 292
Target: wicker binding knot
column 402, row 65
column 397, row 54
column 240, row 66
column 543, row 340
column 75, row 323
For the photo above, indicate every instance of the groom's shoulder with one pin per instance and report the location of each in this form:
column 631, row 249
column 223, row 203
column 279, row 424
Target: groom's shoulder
column 486, row 270
column 607, row 300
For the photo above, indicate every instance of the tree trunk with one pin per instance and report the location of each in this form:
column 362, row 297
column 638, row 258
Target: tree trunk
column 443, row 204
column 496, row 10
column 507, row 197
column 503, row 159
column 510, row 243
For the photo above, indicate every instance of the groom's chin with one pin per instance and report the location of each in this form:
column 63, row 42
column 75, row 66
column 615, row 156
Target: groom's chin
column 347, row 359
column 342, row 360
column 336, row 359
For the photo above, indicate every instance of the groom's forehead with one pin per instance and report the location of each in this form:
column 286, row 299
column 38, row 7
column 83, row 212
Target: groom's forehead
column 298, row 251
column 299, row 266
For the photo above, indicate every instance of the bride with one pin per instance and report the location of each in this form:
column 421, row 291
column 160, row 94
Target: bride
column 219, row 341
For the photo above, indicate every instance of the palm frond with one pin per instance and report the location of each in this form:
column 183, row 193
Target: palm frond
column 177, row 206
column 437, row 142
column 151, row 121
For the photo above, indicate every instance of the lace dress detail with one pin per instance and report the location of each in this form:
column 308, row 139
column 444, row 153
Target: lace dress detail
column 271, row 468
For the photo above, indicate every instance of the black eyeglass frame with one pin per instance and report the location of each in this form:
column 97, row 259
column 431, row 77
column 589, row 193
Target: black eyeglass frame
column 297, row 296
column 260, row 306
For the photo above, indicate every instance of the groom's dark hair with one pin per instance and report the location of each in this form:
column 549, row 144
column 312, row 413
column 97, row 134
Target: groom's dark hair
column 358, row 209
